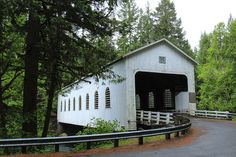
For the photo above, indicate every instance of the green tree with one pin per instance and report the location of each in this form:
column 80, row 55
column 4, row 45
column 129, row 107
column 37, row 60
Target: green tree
column 167, row 25
column 204, row 46
column 31, row 63
column 145, row 27
column 11, row 44
column 55, row 51
column 216, row 72
column 71, row 56
column 129, row 14
column 231, row 57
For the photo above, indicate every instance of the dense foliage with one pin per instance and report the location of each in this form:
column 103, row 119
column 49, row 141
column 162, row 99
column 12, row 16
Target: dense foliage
column 47, row 44
column 144, row 27
column 99, row 126
column 217, row 68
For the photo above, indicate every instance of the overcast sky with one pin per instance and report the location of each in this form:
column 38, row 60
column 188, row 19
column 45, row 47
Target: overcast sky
column 198, row 16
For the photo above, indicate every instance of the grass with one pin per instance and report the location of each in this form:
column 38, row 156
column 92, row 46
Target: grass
column 234, row 119
column 133, row 141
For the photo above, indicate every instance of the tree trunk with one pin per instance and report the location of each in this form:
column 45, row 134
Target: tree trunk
column 51, row 92
column 3, row 122
column 3, row 130
column 29, row 125
column 52, row 78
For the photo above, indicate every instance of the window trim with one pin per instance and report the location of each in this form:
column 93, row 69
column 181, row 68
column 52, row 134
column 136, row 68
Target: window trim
column 61, row 105
column 168, row 98
column 80, row 103
column 162, row 59
column 69, row 104
column 151, row 100
column 65, row 105
column 107, row 98
column 137, row 102
column 96, row 100
column 74, row 104
column 87, row 101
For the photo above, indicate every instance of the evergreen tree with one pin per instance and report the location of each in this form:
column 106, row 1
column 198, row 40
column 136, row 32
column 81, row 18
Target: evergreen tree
column 216, row 72
column 231, row 57
column 11, row 45
column 167, row 25
column 127, row 40
column 145, row 27
column 203, row 48
column 54, row 46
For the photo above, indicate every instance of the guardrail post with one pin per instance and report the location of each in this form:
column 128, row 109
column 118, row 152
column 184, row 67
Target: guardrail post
column 177, row 134
column 6, row 151
column 140, row 140
column 116, row 143
column 24, row 143
column 167, row 136
column 56, row 147
column 183, row 132
column 88, row 145
column 23, row 150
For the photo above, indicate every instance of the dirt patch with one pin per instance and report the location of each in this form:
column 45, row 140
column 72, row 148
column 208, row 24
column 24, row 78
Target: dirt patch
column 194, row 133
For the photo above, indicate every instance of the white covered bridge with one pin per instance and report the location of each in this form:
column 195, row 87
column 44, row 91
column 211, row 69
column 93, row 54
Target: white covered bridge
column 157, row 77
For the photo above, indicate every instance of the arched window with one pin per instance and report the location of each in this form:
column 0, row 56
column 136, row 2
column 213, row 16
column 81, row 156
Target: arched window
column 69, row 104
column 87, row 101
column 96, row 100
column 64, row 105
column 74, row 104
column 150, row 100
column 80, row 103
column 137, row 99
column 61, row 106
column 107, row 98
column 167, row 98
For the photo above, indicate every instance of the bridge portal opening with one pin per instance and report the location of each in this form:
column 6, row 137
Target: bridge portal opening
column 158, row 91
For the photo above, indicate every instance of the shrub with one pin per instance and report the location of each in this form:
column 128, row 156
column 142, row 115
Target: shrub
column 99, row 126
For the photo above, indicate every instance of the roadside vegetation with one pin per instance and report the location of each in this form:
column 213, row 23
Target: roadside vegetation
column 46, row 45
column 99, row 126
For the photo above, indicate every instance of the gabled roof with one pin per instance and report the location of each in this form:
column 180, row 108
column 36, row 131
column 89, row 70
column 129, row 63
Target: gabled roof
column 143, row 48
column 154, row 44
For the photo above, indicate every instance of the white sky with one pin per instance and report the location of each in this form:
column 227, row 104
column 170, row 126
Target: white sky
column 198, row 16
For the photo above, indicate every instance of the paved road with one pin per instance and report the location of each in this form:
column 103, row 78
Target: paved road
column 218, row 141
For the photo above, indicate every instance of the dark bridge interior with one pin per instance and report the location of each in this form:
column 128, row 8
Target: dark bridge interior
column 157, row 91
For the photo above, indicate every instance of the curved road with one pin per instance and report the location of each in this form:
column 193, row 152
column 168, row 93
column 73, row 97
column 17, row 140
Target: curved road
column 219, row 140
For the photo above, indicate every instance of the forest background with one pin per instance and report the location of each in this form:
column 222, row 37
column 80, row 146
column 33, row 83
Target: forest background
column 46, row 45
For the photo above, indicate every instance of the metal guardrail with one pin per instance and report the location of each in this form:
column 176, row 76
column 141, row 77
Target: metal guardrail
column 153, row 118
column 24, row 142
